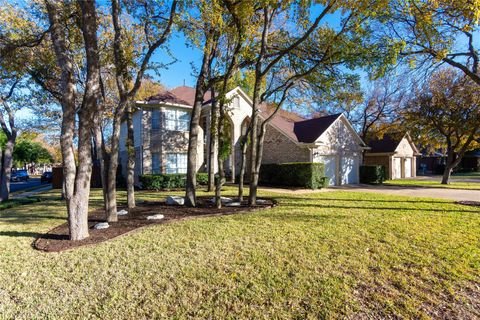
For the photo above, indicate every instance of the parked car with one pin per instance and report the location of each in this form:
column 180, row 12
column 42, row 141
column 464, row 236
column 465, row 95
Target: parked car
column 19, row 175
column 47, row 177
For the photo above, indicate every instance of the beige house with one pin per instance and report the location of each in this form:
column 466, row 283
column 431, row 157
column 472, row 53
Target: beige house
column 161, row 137
column 397, row 154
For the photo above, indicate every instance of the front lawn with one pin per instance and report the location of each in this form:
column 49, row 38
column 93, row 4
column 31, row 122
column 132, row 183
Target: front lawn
column 468, row 175
column 320, row 255
column 434, row 184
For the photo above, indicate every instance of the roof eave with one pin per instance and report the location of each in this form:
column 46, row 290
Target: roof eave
column 162, row 103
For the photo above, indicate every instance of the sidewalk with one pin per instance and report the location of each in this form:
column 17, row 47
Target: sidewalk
column 25, row 194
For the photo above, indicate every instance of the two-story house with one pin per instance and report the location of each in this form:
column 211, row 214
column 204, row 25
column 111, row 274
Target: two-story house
column 161, row 126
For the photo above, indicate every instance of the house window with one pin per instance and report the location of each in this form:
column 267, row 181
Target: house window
column 155, row 120
column 176, row 163
column 236, row 103
column 177, row 120
column 156, row 165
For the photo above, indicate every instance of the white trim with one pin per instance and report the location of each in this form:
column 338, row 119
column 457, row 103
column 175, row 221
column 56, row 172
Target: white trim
column 162, row 104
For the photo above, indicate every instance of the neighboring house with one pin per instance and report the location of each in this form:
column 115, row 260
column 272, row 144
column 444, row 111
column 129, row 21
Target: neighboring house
column 161, row 137
column 397, row 153
column 470, row 161
column 431, row 162
column 434, row 163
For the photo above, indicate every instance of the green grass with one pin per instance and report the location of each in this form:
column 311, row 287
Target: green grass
column 434, row 184
column 321, row 255
column 468, row 175
column 18, row 202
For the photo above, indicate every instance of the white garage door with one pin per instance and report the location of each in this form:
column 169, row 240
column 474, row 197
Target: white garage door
column 349, row 169
column 330, row 167
column 408, row 167
column 397, row 166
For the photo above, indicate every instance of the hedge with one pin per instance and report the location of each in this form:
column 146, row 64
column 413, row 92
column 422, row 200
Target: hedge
column 169, row 181
column 372, row 174
column 296, row 174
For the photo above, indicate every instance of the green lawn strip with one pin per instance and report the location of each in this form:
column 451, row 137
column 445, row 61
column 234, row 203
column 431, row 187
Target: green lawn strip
column 18, row 202
column 433, row 184
column 463, row 175
column 322, row 255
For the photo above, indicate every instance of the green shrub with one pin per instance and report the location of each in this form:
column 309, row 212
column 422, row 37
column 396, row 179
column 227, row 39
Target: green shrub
column 325, row 182
column 295, row 174
column 372, row 174
column 169, row 181
column 202, row 178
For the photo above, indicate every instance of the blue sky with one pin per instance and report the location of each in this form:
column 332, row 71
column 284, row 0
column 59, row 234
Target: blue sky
column 181, row 71
column 175, row 74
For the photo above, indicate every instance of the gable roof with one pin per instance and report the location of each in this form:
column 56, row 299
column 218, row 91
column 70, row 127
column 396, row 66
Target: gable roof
column 182, row 95
column 389, row 143
column 283, row 120
column 308, row 131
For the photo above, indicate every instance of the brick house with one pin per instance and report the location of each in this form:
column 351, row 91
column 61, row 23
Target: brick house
column 396, row 152
column 161, row 137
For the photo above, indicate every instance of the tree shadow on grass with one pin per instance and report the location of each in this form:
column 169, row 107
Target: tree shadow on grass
column 366, row 200
column 27, row 218
column 26, row 234
column 330, row 206
column 302, row 217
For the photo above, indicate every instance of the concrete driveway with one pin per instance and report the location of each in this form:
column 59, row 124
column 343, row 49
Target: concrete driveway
column 441, row 193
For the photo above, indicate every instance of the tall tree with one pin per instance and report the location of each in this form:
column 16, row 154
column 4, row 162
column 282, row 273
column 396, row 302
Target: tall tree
column 275, row 47
column 376, row 107
column 76, row 182
column 157, row 20
column 446, row 111
column 433, row 32
column 10, row 132
column 221, row 28
column 19, row 34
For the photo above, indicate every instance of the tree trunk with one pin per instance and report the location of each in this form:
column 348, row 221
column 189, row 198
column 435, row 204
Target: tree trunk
column 241, row 179
column 190, row 188
column 446, row 174
column 6, row 169
column 111, row 214
column 131, row 160
column 252, row 197
column 101, row 157
column 221, row 173
column 78, row 203
column 213, row 143
column 1, row 171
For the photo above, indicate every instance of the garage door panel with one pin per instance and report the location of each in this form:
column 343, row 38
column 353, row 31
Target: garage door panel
column 397, row 165
column 349, row 166
column 330, row 167
column 408, row 167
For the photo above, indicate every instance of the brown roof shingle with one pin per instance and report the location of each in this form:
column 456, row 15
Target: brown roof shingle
column 308, row 131
column 387, row 144
column 180, row 95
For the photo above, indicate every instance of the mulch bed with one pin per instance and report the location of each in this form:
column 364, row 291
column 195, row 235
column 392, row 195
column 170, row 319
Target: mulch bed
column 469, row 203
column 57, row 239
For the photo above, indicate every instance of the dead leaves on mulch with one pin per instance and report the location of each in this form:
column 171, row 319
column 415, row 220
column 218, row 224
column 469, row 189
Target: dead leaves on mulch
column 57, row 239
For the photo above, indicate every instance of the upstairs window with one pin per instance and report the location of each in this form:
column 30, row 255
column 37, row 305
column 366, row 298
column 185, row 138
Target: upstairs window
column 156, row 165
column 176, row 163
column 155, row 120
column 177, row 120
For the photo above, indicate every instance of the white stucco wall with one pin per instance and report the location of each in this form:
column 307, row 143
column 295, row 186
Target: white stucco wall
column 404, row 149
column 340, row 149
column 238, row 110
